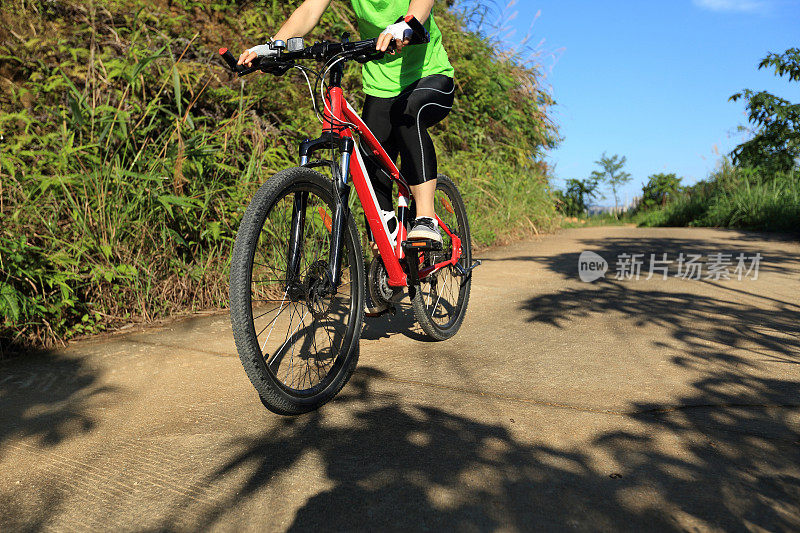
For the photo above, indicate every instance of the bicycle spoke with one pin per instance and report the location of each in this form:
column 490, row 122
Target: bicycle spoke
column 330, row 341
column 267, row 300
column 438, row 297
column 272, row 322
column 316, row 356
column 265, row 313
column 291, row 359
column 278, row 351
column 273, row 267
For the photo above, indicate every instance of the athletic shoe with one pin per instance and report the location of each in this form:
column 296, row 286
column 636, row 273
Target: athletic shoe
column 425, row 228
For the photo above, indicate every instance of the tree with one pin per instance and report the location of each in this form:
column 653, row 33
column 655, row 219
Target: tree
column 659, row 189
column 611, row 174
column 776, row 144
column 574, row 199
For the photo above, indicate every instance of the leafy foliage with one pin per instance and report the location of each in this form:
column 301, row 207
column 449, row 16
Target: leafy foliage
column 659, row 189
column 577, row 194
column 776, row 144
column 611, row 174
column 128, row 153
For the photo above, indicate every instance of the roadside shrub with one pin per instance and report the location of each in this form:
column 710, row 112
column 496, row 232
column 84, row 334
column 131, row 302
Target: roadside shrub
column 128, row 153
column 735, row 198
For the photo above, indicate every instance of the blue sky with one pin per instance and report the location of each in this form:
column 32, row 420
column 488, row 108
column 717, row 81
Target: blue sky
column 651, row 79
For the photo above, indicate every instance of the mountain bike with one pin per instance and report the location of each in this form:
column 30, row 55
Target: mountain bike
column 298, row 279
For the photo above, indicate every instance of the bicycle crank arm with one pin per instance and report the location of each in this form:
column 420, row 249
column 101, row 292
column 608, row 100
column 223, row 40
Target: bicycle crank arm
column 466, row 271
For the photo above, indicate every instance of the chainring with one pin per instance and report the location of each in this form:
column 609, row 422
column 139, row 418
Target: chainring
column 378, row 284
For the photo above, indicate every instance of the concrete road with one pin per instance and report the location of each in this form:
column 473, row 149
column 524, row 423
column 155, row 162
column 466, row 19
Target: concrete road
column 615, row 405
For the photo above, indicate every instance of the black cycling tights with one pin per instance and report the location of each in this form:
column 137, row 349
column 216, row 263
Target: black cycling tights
column 401, row 125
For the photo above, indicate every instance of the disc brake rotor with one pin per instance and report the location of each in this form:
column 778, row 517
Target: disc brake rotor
column 319, row 298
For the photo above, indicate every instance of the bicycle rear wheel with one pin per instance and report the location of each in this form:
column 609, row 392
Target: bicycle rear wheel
column 297, row 337
column 440, row 300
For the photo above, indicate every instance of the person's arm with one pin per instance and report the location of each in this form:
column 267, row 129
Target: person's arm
column 302, row 21
column 420, row 10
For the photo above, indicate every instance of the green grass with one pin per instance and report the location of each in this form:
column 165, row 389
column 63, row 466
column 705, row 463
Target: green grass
column 735, row 198
column 129, row 154
column 603, row 219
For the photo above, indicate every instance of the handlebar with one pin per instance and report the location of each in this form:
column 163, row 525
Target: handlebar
column 361, row 51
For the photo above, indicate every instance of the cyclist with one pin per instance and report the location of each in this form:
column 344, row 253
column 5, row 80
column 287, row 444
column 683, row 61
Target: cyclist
column 406, row 93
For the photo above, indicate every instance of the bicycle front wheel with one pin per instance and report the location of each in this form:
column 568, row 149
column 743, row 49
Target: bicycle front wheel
column 297, row 336
column 440, row 300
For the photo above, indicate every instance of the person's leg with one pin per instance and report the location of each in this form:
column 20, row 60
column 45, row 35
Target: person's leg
column 377, row 116
column 423, row 196
column 428, row 103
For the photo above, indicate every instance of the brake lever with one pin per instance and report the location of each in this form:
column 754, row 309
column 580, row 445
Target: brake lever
column 370, row 56
column 249, row 70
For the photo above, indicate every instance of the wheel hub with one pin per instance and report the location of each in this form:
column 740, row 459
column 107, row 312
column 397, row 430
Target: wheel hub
column 318, row 297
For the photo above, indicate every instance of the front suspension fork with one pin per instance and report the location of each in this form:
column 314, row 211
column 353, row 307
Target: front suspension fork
column 341, row 189
column 295, row 252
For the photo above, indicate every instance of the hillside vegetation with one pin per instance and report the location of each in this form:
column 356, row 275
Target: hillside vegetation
column 734, row 197
column 128, row 154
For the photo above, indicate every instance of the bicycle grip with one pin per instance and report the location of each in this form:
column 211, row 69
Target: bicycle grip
column 421, row 35
column 229, row 59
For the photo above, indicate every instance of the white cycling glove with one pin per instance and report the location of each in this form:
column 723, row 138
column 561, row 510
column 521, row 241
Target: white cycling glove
column 401, row 31
column 263, row 50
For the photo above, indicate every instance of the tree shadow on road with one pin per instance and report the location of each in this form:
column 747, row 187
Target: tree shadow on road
column 404, row 466
column 725, row 455
column 45, row 399
column 48, row 397
column 740, row 427
column 737, row 318
column 397, row 465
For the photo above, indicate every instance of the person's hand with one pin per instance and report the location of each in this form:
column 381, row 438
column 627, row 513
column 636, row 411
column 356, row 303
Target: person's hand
column 249, row 55
column 400, row 33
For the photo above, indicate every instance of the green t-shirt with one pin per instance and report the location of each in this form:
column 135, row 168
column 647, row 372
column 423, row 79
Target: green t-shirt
column 389, row 76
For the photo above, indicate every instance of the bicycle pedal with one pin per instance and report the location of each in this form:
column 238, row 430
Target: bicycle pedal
column 461, row 271
column 422, row 246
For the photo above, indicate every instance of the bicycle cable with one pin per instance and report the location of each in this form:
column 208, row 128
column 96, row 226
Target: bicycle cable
column 327, row 110
column 314, row 105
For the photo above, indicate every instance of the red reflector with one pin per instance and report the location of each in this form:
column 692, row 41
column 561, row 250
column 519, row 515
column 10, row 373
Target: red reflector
column 222, row 51
column 326, row 219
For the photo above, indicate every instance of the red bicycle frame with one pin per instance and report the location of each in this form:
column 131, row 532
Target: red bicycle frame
column 339, row 120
